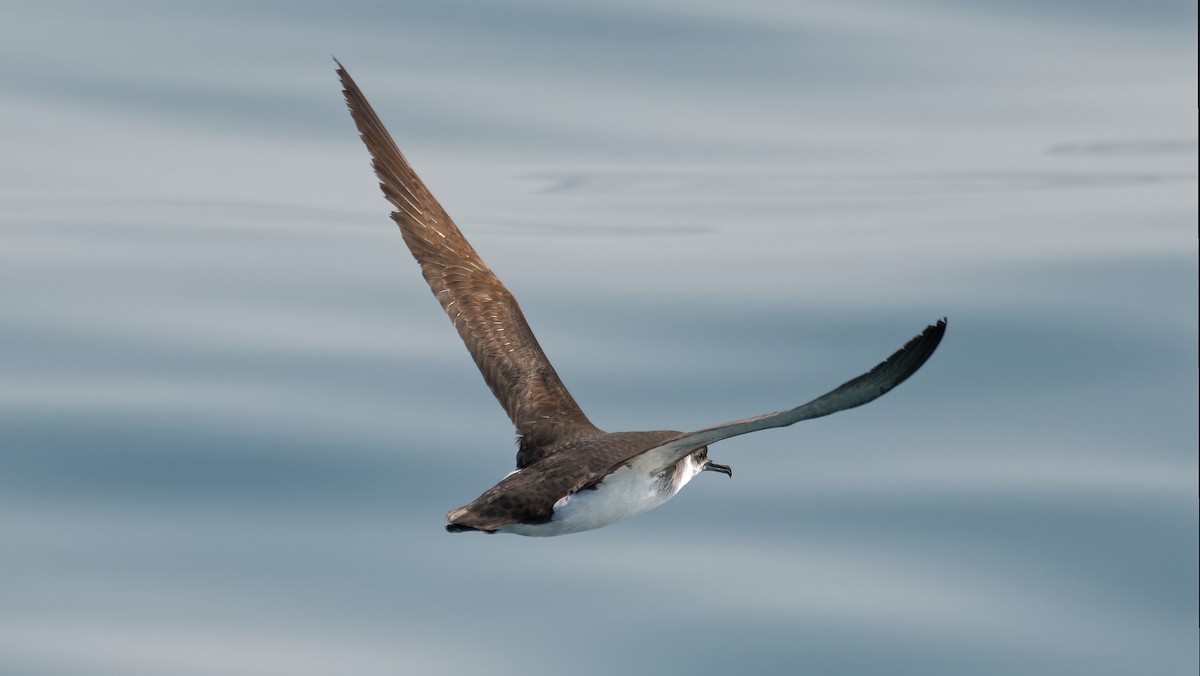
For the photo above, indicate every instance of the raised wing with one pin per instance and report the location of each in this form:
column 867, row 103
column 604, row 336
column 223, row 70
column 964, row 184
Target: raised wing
column 482, row 309
column 865, row 388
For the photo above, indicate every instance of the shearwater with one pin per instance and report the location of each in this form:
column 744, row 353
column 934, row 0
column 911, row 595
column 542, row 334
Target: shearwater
column 571, row 476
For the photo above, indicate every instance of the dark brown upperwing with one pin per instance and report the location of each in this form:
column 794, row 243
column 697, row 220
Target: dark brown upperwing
column 486, row 315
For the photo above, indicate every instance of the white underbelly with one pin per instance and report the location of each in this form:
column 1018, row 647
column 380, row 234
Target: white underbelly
column 622, row 494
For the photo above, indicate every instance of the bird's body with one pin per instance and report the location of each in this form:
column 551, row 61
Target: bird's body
column 587, row 484
column 626, row 492
column 571, row 476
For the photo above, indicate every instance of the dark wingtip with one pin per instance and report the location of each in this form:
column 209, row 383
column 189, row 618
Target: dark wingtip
column 935, row 332
column 916, row 352
column 929, row 338
column 905, row 361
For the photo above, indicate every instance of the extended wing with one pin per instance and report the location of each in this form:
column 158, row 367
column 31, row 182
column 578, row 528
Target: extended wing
column 865, row 388
column 486, row 315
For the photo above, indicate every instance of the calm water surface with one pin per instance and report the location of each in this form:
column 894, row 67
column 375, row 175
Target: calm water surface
column 232, row 416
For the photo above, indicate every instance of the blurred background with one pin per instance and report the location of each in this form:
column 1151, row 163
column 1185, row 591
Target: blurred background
column 232, row 417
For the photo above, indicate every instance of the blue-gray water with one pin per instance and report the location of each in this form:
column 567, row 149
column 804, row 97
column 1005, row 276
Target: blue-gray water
column 232, row 415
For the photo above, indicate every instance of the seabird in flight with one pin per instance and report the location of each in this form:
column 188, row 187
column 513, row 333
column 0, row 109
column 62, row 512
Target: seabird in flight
column 571, row 476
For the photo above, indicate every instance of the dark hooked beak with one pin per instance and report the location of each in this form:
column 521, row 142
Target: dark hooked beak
column 711, row 466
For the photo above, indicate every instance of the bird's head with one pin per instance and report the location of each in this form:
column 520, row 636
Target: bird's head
column 701, row 461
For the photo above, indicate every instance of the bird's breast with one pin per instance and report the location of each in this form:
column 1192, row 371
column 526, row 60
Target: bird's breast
column 622, row 494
